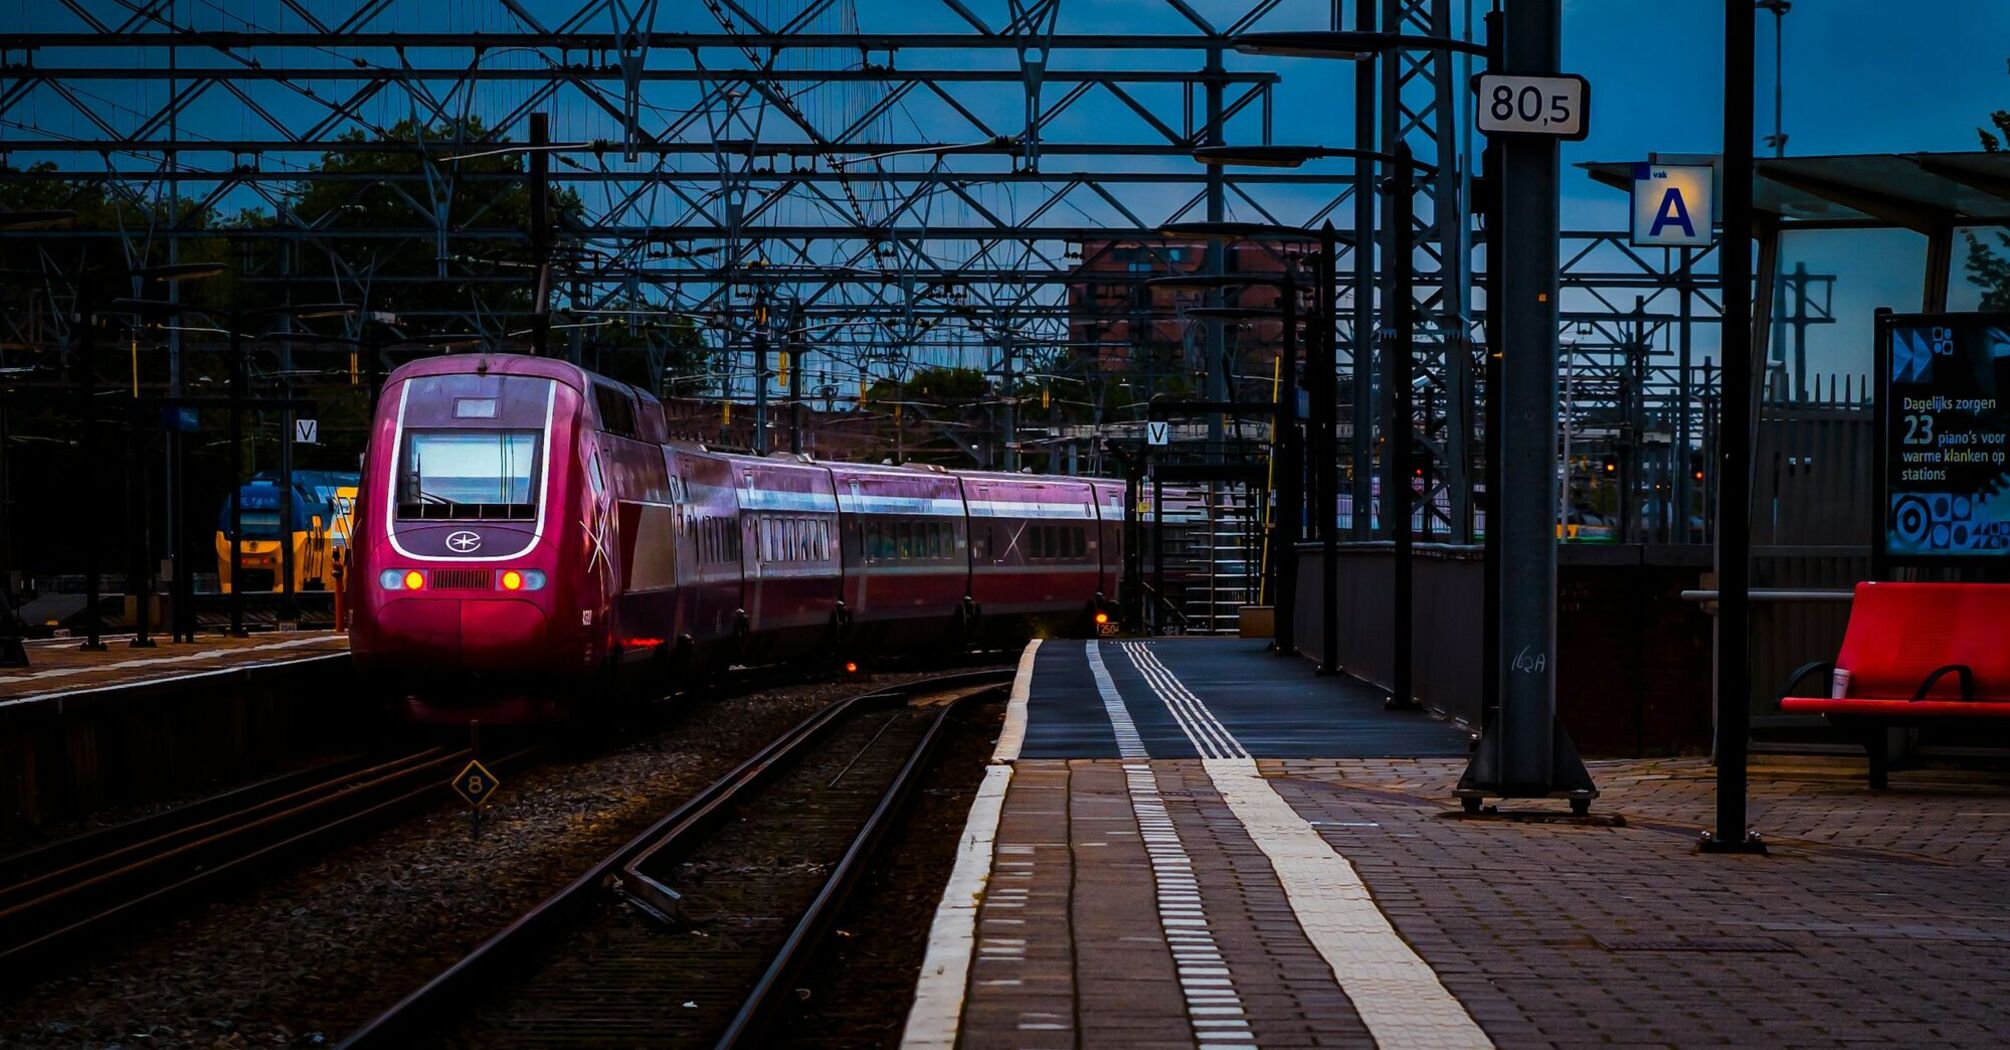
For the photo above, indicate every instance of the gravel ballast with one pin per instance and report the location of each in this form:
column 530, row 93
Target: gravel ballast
column 320, row 948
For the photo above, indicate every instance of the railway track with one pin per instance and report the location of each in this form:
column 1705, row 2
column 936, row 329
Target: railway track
column 692, row 932
column 65, row 896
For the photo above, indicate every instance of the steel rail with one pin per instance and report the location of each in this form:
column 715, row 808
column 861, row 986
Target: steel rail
column 405, row 1021
column 764, row 1000
column 58, row 910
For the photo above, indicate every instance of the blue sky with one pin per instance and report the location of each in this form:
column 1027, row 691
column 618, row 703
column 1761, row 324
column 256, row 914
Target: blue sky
column 1862, row 76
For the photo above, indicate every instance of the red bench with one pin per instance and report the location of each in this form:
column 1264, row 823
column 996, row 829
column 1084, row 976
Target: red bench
column 1916, row 653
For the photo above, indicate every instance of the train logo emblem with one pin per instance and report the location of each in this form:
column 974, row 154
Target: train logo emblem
column 464, row 542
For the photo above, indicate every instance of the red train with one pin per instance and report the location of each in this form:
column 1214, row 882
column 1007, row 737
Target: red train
column 527, row 541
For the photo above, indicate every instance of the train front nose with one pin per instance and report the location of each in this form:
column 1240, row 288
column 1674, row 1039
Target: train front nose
column 483, row 636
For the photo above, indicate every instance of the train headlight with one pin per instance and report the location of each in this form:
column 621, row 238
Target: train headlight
column 520, row 580
column 391, row 579
column 512, row 580
column 414, row 579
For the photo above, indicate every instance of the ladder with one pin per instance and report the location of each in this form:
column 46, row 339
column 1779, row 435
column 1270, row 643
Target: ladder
column 1224, row 561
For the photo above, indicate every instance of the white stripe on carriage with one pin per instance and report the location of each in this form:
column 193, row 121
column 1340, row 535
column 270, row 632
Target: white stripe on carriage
column 799, row 502
column 1005, row 508
column 859, row 503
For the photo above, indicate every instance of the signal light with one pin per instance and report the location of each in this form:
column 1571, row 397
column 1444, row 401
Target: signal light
column 850, row 667
column 414, row 579
column 1102, row 618
column 512, row 580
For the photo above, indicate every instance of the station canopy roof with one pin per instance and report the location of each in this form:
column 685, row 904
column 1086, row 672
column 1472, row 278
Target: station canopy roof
column 1915, row 191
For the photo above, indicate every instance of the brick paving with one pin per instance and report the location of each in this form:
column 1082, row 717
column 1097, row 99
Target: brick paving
column 58, row 667
column 1130, row 906
column 1878, row 919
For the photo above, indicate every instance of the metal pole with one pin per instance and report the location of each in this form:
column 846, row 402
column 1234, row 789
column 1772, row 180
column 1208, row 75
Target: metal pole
column 141, row 548
column 289, row 611
column 798, row 346
column 1525, row 753
column 1734, row 442
column 1008, row 441
column 289, row 607
column 1491, row 422
column 1217, row 256
column 760, row 373
column 1400, row 350
column 1364, row 287
column 1363, row 365
column 1158, row 553
column 538, row 176
column 1328, row 454
column 239, row 381
column 1290, row 492
column 182, row 593
column 1684, row 394
column 87, row 346
column 1527, row 285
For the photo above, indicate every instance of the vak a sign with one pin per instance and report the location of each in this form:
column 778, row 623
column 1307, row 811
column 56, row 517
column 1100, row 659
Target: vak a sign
column 1673, row 205
column 1944, row 431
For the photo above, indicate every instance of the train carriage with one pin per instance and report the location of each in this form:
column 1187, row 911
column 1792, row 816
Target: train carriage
column 710, row 557
column 906, row 554
column 528, row 544
column 1035, row 550
column 791, row 582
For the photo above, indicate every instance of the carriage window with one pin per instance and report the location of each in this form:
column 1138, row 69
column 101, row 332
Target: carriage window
column 617, row 410
column 456, row 474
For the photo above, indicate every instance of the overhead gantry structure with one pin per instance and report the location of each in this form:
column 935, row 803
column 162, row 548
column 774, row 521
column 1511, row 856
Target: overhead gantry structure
column 877, row 187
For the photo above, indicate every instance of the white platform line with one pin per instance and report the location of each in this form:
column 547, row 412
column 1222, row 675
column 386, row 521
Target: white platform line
column 154, row 661
column 1210, row 738
column 1013, row 736
column 118, row 686
column 1397, row 994
column 952, row 936
column 1176, row 894
column 1129, row 743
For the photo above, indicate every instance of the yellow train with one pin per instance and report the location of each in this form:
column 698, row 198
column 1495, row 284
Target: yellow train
column 323, row 501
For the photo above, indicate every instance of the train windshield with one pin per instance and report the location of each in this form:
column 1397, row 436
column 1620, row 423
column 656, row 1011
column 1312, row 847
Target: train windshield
column 455, row 474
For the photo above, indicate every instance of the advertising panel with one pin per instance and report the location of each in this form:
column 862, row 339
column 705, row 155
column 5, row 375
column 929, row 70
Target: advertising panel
column 1944, row 484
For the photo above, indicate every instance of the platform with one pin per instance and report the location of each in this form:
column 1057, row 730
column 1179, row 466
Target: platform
column 1192, row 871
column 58, row 665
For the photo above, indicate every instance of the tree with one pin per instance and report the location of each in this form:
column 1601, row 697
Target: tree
column 1986, row 269
column 478, row 193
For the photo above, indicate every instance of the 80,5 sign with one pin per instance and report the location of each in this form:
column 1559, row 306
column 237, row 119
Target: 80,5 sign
column 1553, row 106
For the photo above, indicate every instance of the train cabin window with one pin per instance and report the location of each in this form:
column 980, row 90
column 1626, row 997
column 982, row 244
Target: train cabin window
column 617, row 410
column 1034, row 542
